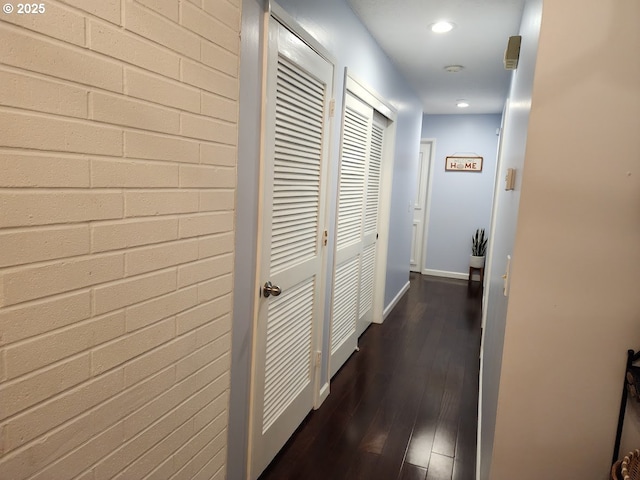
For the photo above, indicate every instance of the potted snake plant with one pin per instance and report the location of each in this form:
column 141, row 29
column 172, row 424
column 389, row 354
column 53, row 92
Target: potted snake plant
column 478, row 249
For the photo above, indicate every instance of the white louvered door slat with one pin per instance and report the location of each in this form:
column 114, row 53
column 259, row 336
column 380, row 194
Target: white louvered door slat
column 352, row 176
column 291, row 254
column 367, row 272
column 345, row 305
column 299, row 177
column 288, row 339
column 373, row 179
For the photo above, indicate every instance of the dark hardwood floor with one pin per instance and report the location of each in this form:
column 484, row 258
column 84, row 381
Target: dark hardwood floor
column 405, row 406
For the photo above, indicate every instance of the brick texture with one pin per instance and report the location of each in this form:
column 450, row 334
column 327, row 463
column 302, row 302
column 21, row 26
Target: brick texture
column 118, row 150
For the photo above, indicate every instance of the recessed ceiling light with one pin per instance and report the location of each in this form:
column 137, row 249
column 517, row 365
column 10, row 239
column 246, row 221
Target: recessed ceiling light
column 462, row 104
column 453, row 68
column 442, row 27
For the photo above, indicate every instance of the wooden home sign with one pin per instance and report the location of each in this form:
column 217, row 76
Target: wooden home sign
column 463, row 164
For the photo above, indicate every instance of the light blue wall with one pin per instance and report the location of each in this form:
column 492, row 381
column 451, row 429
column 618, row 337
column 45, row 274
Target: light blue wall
column 337, row 28
column 503, row 232
column 246, row 237
column 460, row 201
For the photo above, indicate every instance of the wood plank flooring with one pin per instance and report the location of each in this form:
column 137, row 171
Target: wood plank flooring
column 405, row 406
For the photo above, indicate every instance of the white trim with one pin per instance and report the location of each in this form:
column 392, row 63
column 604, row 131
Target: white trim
column 395, row 300
column 497, row 198
column 287, row 21
column 445, row 274
column 325, row 272
column 369, row 96
column 322, row 396
column 488, row 287
column 479, row 429
column 259, row 228
column 427, row 208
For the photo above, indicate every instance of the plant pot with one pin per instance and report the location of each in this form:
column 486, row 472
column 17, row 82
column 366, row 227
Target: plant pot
column 476, row 262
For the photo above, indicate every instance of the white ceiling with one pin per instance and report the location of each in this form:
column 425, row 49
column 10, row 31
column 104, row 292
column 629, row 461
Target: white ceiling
column 478, row 42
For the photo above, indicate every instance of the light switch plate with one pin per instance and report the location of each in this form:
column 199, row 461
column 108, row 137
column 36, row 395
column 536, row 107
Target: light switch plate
column 510, row 180
column 506, row 276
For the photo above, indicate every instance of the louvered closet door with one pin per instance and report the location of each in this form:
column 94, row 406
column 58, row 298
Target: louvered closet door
column 292, row 253
column 358, row 205
column 370, row 229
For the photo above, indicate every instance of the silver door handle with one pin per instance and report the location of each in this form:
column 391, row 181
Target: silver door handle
column 270, row 289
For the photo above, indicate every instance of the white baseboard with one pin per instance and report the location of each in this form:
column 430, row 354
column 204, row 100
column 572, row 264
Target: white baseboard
column 395, row 300
column 322, row 396
column 443, row 273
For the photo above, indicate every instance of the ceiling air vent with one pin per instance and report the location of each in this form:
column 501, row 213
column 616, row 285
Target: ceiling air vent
column 512, row 53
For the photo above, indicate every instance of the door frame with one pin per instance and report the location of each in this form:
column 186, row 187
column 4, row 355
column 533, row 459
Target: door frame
column 376, row 101
column 274, row 11
column 427, row 207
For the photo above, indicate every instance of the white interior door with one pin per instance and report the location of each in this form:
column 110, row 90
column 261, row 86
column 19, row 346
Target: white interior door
column 420, row 207
column 290, row 309
column 356, row 239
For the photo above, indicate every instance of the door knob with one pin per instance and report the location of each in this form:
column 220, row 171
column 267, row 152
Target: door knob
column 270, row 289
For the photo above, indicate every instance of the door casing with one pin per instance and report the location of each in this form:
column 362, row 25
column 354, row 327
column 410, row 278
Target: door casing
column 423, row 203
column 358, row 88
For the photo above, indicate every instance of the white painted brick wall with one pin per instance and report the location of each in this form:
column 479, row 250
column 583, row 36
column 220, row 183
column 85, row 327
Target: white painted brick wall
column 118, row 147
